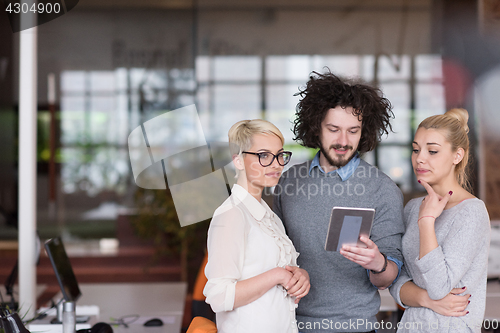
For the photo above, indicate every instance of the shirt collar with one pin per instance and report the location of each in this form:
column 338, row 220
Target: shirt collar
column 344, row 172
column 257, row 209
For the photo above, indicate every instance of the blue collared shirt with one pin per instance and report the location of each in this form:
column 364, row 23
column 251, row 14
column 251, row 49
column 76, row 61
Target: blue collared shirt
column 345, row 173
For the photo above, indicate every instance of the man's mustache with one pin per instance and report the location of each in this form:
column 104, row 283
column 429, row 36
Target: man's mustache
column 347, row 147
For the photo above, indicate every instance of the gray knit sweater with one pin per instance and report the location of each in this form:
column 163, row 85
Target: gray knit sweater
column 342, row 298
column 461, row 259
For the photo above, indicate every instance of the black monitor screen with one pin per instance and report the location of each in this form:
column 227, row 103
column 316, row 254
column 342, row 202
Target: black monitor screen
column 62, row 268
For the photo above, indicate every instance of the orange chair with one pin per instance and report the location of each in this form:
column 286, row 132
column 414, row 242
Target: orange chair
column 201, row 325
column 201, row 281
column 198, row 306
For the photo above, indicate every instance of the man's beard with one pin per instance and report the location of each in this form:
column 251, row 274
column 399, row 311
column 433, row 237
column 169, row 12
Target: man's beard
column 342, row 160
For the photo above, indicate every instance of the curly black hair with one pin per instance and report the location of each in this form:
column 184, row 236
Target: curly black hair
column 327, row 91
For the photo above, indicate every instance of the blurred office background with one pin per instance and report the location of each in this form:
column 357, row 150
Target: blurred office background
column 120, row 63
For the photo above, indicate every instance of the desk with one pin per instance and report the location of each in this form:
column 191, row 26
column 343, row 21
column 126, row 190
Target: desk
column 387, row 303
column 145, row 299
column 164, row 300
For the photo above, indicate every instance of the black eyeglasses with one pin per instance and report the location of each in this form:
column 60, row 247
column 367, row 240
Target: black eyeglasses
column 266, row 159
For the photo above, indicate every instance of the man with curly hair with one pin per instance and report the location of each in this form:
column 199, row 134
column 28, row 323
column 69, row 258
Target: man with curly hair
column 343, row 119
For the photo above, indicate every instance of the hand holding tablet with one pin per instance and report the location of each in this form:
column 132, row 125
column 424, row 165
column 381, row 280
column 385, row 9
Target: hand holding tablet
column 347, row 224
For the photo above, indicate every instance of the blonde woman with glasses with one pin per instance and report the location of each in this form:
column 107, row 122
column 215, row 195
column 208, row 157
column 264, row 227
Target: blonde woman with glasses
column 253, row 283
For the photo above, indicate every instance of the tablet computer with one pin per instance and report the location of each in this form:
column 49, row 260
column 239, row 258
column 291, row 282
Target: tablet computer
column 346, row 225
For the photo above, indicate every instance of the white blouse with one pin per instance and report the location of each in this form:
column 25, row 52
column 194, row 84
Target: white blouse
column 246, row 239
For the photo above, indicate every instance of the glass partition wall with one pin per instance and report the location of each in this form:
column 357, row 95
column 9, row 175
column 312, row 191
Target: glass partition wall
column 117, row 69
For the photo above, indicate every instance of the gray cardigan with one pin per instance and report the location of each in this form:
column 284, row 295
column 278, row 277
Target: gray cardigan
column 342, row 298
column 461, row 259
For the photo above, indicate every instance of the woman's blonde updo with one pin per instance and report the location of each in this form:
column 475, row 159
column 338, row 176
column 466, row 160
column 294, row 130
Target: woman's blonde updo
column 453, row 125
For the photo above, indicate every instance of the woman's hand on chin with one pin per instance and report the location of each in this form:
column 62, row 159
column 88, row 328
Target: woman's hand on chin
column 433, row 204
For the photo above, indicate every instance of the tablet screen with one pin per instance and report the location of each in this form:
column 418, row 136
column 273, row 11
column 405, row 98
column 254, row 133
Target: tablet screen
column 346, row 225
column 349, row 233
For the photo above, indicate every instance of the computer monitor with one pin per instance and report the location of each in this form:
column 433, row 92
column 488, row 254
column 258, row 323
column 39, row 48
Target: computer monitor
column 62, row 267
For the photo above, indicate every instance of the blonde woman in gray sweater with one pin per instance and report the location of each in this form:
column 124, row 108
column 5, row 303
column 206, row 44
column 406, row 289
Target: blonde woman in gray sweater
column 447, row 236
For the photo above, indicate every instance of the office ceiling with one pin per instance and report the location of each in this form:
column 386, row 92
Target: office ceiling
column 255, row 4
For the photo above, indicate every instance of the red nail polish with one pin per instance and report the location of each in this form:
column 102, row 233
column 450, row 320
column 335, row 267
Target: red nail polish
column 469, row 302
column 467, row 312
column 419, row 181
column 451, row 192
column 463, row 287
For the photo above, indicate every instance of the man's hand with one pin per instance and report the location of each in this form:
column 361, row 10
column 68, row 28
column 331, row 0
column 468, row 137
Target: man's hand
column 299, row 284
column 368, row 258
